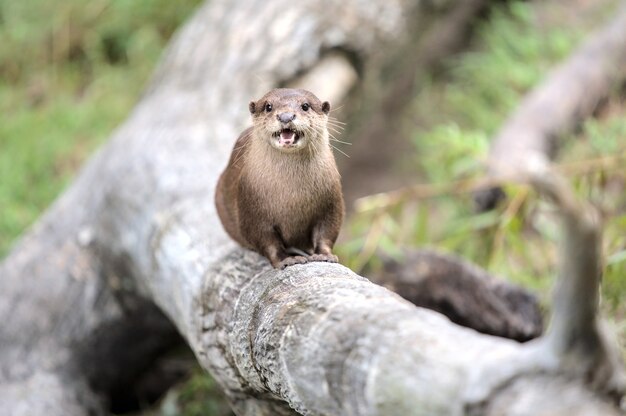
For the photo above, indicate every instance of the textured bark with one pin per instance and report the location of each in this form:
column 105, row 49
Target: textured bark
column 569, row 95
column 139, row 224
column 463, row 292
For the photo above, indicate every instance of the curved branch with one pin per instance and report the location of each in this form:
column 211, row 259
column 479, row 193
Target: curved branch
column 317, row 338
column 576, row 345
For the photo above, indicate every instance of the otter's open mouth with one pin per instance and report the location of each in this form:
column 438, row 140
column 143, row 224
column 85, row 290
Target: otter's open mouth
column 287, row 137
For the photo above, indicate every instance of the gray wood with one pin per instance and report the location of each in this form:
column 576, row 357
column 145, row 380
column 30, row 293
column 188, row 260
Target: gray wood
column 139, row 226
column 462, row 291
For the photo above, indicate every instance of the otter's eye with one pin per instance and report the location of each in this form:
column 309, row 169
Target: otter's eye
column 268, row 107
column 306, row 106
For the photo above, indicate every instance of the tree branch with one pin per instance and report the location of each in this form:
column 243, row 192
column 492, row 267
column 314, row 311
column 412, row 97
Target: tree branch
column 569, row 95
column 465, row 293
column 139, row 223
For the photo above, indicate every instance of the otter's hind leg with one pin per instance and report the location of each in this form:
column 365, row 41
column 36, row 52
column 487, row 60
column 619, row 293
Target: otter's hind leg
column 267, row 241
column 325, row 234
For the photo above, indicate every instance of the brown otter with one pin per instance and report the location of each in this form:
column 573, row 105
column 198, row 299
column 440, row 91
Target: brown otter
column 280, row 194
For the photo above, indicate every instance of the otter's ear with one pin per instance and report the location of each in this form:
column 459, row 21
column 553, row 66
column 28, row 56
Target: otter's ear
column 326, row 107
column 252, row 107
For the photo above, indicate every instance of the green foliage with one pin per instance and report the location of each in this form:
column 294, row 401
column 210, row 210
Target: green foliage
column 615, row 246
column 198, row 396
column 70, row 71
column 459, row 115
column 513, row 53
column 460, row 151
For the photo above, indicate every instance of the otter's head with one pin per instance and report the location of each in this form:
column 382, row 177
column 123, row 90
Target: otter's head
column 291, row 120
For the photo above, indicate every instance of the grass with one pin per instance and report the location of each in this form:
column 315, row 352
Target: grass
column 71, row 71
column 198, row 396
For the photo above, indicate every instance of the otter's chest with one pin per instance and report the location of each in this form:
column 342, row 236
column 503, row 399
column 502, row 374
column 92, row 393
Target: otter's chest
column 293, row 194
column 292, row 197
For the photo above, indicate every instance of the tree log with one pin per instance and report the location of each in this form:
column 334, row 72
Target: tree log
column 139, row 226
column 463, row 292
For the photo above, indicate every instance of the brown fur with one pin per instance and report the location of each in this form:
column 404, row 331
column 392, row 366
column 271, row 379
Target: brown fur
column 273, row 199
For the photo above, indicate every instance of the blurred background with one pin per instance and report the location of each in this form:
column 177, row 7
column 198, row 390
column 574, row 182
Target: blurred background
column 71, row 71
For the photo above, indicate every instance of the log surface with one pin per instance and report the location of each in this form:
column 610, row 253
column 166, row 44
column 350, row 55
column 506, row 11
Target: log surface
column 138, row 228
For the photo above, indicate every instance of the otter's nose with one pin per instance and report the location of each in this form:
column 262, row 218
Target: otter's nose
column 286, row 117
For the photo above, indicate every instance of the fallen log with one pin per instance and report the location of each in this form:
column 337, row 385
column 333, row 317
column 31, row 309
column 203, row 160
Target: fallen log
column 463, row 292
column 138, row 228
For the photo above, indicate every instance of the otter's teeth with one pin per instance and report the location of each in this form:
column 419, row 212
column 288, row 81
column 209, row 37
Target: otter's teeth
column 287, row 137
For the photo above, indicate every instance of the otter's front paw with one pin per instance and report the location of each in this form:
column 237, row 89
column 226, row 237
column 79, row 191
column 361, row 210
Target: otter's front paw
column 329, row 258
column 290, row 261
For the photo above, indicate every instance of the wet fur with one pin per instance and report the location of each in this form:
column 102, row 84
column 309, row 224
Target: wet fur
column 272, row 201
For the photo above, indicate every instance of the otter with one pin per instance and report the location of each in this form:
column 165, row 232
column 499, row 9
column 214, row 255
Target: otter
column 280, row 194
